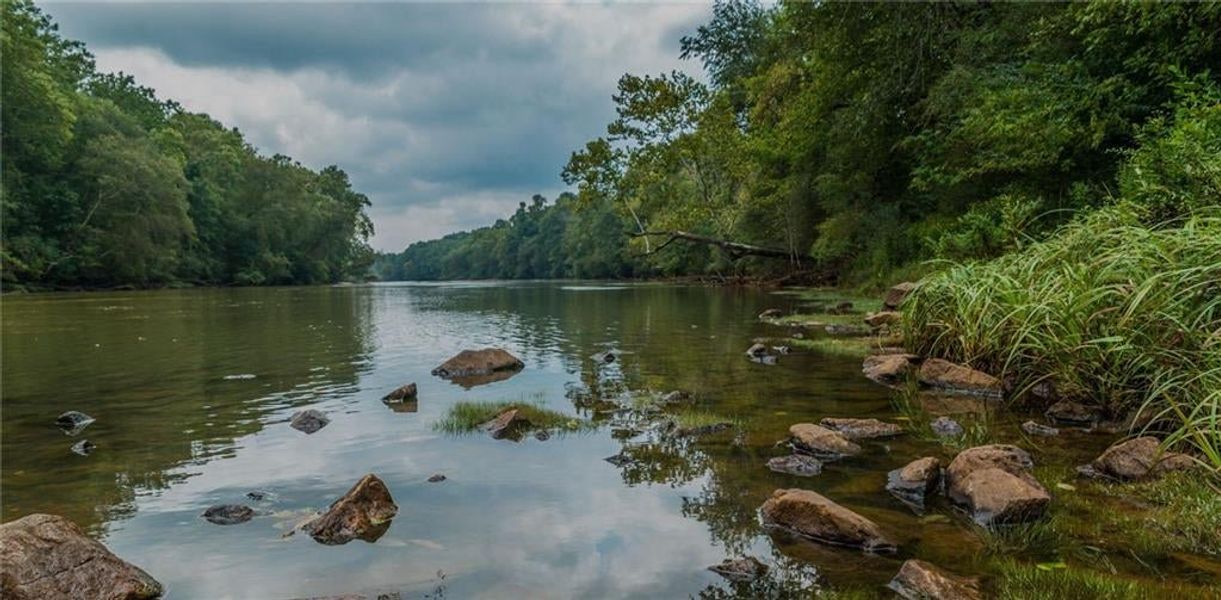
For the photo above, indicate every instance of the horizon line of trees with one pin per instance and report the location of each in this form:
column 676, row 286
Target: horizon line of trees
column 105, row 184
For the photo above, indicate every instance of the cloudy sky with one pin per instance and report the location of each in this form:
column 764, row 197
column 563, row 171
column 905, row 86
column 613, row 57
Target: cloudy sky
column 446, row 115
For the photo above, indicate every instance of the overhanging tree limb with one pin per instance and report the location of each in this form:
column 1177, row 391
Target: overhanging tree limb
column 734, row 249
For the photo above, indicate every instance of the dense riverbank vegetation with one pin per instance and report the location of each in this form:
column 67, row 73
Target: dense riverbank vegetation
column 861, row 140
column 106, row 184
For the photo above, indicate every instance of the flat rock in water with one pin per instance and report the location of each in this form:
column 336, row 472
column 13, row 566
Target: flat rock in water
column 619, row 460
column 946, row 427
column 363, row 513
column 1067, row 412
column 884, row 318
column 73, row 422
column 228, row 514
column 915, row 481
column 945, row 375
column 994, row 483
column 815, row 517
column 743, row 569
column 1138, row 458
column 861, row 429
column 919, row 580
column 478, row 362
column 818, row 441
column 897, row 294
column 1039, row 429
column 309, row 421
column 48, row 556
column 888, row 369
column 402, row 393
column 83, row 447
column 508, row 424
column 800, row 465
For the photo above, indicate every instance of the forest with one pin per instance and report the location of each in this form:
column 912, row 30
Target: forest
column 107, row 185
column 861, row 143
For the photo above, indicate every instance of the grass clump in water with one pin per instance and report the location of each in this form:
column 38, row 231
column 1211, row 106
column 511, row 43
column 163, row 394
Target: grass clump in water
column 466, row 417
column 1109, row 310
column 1018, row 581
column 692, row 419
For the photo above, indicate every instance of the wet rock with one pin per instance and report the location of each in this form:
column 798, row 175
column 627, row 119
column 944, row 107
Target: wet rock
column 884, row 318
column 897, row 294
column 1139, row 458
column 945, row 375
column 363, row 513
column 919, row 580
column 83, row 447
column 605, row 357
column 259, row 495
column 757, row 350
column 1039, row 429
column 743, row 569
column 228, row 514
column 888, row 369
column 309, row 421
column 436, row 477
column 702, row 430
column 915, row 481
column 994, row 483
column 508, row 424
column 782, row 349
column 820, row 442
column 800, row 465
column 542, row 435
column 619, row 460
column 813, row 516
column 48, row 556
column 1067, row 412
column 771, row 313
column 401, row 394
column 675, row 397
column 838, row 329
column 946, row 427
column 470, row 363
column 73, row 422
column 861, row 429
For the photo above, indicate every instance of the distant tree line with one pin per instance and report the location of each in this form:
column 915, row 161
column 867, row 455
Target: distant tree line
column 104, row 184
column 863, row 139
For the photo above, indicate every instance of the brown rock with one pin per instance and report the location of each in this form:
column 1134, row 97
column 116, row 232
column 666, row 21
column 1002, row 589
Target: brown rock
column 897, row 294
column 888, row 369
column 821, row 442
column 1068, row 412
column 363, row 513
column 912, row 483
column 1139, row 458
column 742, row 569
column 406, row 392
column 861, row 429
column 946, row 375
column 919, row 580
column 996, row 496
column 813, row 516
column 886, row 317
column 1039, row 429
column 469, row 363
column 48, row 556
column 1002, row 456
column 795, row 464
column 508, row 424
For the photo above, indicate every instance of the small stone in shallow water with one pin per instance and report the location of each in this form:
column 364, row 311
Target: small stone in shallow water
column 946, row 427
column 796, row 464
column 1038, row 429
column 309, row 421
column 437, row 478
column 73, row 422
column 83, row 447
column 743, row 569
column 228, row 514
column 1067, row 412
column 619, row 460
column 542, row 435
column 917, row 580
column 401, row 394
column 912, row 483
column 258, row 495
column 757, row 350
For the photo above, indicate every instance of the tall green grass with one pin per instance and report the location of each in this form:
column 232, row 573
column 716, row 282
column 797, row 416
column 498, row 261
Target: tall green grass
column 1108, row 310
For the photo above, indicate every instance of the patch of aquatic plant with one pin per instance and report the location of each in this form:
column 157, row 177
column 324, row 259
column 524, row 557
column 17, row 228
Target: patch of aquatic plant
column 906, row 402
column 1021, row 581
column 466, row 417
column 1108, row 310
column 843, row 346
column 1041, row 538
column 693, row 418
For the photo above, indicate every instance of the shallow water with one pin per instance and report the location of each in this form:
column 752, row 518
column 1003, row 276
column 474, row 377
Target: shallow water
column 193, row 390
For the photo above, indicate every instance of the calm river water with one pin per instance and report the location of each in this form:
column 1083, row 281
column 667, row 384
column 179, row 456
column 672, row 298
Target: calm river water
column 193, row 390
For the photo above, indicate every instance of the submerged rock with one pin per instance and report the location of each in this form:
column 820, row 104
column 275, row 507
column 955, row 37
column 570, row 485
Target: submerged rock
column 363, row 513
column 73, row 422
column 861, row 429
column 994, row 483
column 815, row 517
column 1135, row 459
column 470, row 363
column 401, row 394
column 888, row 369
column 619, row 460
column 818, row 441
column 436, row 477
column 800, row 465
column 675, row 397
column 884, row 318
column 259, row 495
column 915, row 481
column 508, row 424
column 1039, row 429
column 897, row 294
column 309, row 421
column 48, row 556
column 945, row 375
column 1067, row 412
column 701, row 430
column 228, row 514
column 919, row 580
column 542, row 435
column 838, row 329
column 946, row 427
column 743, row 569
column 771, row 313
column 83, row 447
column 757, row 350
